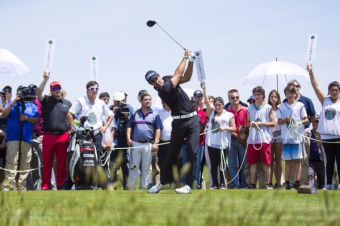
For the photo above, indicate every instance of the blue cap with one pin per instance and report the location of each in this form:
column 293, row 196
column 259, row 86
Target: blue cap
column 151, row 76
column 251, row 98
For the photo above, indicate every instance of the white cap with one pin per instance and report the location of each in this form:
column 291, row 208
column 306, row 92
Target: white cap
column 118, row 96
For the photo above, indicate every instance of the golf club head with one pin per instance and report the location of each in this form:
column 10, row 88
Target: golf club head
column 151, row 23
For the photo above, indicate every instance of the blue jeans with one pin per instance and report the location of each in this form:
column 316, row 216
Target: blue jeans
column 235, row 157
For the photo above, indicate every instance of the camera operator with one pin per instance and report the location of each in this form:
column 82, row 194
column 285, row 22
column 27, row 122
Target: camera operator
column 56, row 125
column 6, row 100
column 21, row 116
column 119, row 157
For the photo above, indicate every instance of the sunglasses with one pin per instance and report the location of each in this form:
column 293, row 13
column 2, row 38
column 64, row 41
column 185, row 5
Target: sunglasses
column 234, row 98
column 56, row 89
column 93, row 89
column 297, row 86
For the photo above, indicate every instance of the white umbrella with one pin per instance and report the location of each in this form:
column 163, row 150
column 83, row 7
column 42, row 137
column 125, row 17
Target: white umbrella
column 11, row 65
column 275, row 72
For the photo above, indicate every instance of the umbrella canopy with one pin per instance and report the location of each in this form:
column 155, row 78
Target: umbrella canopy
column 11, row 65
column 275, row 73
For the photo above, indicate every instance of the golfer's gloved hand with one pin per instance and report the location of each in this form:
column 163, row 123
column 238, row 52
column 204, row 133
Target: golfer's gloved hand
column 203, row 85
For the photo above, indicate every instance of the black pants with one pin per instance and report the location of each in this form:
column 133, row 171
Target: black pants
column 332, row 153
column 215, row 162
column 182, row 128
column 119, row 160
column 318, row 170
column 162, row 153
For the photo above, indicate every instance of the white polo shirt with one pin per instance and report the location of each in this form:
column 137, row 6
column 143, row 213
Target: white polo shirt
column 94, row 111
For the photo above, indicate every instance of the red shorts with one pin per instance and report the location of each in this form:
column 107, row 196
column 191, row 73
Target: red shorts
column 265, row 153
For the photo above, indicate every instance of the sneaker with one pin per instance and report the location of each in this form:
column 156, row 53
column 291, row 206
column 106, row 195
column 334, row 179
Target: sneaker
column 6, row 189
column 277, row 186
column 251, row 186
column 287, row 185
column 296, row 185
column 213, row 188
column 184, row 190
column 269, row 187
column 156, row 189
column 328, row 187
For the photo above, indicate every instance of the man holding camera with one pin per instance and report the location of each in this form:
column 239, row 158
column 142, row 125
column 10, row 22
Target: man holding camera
column 21, row 116
column 56, row 127
column 119, row 157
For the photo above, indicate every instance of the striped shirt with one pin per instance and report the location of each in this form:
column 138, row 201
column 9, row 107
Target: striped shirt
column 144, row 126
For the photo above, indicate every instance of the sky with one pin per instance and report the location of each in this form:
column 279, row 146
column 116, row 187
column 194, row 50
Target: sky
column 234, row 37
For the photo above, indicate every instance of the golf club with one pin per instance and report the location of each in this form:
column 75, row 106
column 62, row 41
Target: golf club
column 151, row 23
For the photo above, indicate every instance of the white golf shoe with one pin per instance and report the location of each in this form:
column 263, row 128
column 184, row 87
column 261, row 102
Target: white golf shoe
column 155, row 189
column 184, row 190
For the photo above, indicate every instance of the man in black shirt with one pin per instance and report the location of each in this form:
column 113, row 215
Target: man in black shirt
column 56, row 127
column 185, row 119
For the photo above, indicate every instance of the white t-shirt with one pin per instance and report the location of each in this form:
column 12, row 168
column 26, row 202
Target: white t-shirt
column 94, row 111
column 297, row 111
column 166, row 119
column 261, row 114
column 217, row 139
column 329, row 125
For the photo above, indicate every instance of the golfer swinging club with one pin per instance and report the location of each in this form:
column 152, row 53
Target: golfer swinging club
column 185, row 119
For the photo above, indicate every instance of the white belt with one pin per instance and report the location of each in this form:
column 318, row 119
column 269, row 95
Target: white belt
column 184, row 116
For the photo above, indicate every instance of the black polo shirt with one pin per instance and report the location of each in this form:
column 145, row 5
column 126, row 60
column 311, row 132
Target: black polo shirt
column 175, row 98
column 54, row 114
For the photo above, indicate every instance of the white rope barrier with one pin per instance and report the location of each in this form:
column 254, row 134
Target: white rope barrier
column 20, row 171
column 293, row 128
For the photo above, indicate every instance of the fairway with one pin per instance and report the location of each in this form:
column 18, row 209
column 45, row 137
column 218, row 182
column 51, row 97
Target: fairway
column 221, row 207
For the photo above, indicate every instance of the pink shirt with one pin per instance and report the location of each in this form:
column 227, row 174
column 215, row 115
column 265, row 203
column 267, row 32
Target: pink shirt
column 204, row 119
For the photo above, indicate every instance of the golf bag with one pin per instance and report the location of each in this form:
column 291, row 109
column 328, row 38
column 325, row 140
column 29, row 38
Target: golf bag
column 83, row 158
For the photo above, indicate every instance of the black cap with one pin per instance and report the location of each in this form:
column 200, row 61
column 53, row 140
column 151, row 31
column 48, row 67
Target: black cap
column 198, row 93
column 151, row 76
column 142, row 92
column 251, row 98
column 7, row 89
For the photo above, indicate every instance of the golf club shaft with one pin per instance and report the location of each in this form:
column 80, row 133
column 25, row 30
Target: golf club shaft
column 170, row 36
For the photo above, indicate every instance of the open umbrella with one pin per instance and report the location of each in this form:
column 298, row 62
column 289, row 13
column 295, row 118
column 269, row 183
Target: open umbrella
column 275, row 72
column 11, row 65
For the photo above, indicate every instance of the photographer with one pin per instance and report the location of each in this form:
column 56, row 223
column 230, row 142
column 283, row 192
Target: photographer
column 119, row 157
column 21, row 116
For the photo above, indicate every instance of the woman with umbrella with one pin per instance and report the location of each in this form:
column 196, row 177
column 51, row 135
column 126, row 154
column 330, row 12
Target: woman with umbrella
column 329, row 126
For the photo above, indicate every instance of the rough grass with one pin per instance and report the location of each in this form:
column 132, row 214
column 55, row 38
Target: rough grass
column 222, row 207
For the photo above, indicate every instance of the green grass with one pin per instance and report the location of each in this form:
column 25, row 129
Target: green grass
column 222, row 207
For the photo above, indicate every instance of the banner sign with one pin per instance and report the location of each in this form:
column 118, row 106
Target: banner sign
column 49, row 55
column 311, row 47
column 200, row 66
